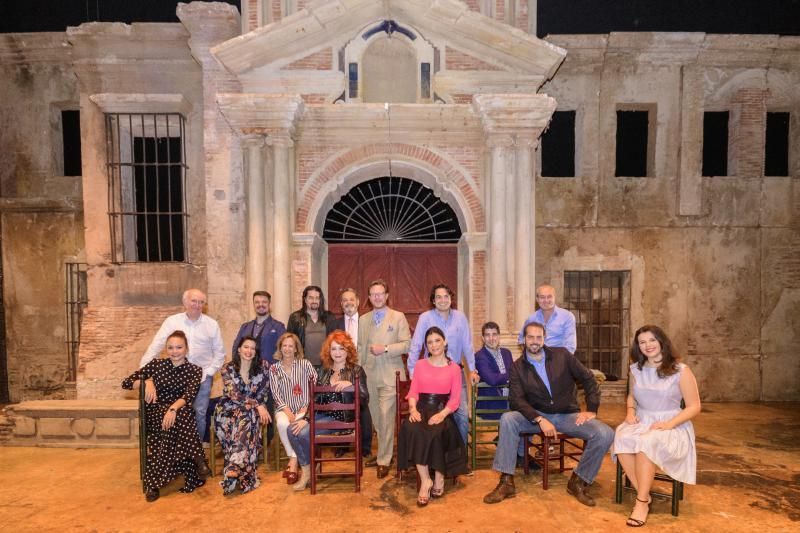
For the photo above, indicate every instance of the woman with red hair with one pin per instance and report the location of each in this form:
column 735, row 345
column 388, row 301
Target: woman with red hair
column 339, row 369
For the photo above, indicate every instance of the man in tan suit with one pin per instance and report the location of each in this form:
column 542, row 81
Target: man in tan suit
column 383, row 338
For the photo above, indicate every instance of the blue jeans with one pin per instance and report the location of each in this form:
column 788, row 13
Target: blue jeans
column 201, row 406
column 598, row 437
column 461, row 417
column 301, row 443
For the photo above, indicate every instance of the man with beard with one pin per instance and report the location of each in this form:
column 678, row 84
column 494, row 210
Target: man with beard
column 349, row 301
column 544, row 399
column 312, row 324
column 264, row 328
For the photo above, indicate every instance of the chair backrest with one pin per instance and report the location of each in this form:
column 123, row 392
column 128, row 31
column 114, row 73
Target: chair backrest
column 402, row 391
column 314, row 407
column 476, row 409
column 142, row 433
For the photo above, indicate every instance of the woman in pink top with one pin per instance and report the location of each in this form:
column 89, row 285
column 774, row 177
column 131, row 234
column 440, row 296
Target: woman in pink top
column 429, row 439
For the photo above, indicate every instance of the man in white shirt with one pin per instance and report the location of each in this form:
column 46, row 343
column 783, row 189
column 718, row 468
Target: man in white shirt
column 206, row 349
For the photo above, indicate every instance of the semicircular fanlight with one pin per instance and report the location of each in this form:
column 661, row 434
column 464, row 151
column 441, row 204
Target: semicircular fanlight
column 391, row 209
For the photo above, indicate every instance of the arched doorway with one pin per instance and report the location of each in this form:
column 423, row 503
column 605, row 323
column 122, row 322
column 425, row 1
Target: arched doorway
column 396, row 229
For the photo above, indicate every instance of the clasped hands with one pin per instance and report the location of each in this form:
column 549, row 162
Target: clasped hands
column 415, row 416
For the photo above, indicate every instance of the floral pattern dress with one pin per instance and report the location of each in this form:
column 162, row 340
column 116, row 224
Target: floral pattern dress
column 177, row 450
column 238, row 427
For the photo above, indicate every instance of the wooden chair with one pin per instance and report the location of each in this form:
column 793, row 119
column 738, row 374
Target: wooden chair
column 142, row 434
column 401, row 412
column 564, row 447
column 347, row 434
column 674, row 497
column 480, row 426
column 213, row 446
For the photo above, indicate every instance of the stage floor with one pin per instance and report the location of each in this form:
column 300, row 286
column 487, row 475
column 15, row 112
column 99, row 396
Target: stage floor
column 748, row 479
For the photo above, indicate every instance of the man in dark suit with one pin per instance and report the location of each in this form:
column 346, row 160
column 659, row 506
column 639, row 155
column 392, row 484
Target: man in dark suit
column 348, row 323
column 264, row 328
column 493, row 364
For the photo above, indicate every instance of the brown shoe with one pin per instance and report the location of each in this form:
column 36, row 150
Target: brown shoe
column 370, row 460
column 504, row 489
column 577, row 487
column 383, row 471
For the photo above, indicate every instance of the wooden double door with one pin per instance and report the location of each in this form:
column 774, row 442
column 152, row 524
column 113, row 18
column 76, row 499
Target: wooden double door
column 410, row 270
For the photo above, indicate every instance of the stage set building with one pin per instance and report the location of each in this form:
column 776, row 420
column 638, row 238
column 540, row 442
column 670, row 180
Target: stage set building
column 649, row 177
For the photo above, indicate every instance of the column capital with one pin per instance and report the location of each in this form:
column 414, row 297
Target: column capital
column 253, row 140
column 515, row 115
column 273, row 115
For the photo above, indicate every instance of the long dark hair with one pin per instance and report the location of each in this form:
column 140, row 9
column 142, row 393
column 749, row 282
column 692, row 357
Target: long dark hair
column 669, row 359
column 255, row 364
column 431, row 331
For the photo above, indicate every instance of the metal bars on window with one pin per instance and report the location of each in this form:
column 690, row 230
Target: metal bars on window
column 146, row 160
column 600, row 302
column 76, row 298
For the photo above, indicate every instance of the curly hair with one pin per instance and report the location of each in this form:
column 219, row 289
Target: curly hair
column 669, row 360
column 342, row 339
column 298, row 354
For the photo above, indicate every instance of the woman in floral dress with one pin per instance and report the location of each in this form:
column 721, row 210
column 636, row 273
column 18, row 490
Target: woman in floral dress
column 241, row 415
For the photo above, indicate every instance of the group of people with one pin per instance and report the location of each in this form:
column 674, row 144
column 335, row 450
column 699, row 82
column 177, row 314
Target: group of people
column 318, row 347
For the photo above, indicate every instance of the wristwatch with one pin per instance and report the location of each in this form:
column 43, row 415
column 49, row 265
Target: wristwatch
column 173, row 409
column 538, row 419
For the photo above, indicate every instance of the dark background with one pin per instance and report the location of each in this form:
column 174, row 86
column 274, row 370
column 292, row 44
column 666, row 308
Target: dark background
column 554, row 16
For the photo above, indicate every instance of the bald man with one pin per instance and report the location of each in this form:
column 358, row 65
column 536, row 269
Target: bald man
column 205, row 348
column 559, row 322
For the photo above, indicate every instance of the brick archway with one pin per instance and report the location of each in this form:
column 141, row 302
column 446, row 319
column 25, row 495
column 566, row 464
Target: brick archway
column 451, row 181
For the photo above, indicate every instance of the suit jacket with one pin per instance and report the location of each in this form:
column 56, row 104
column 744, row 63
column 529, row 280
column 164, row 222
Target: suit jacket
column 394, row 333
column 339, row 324
column 267, row 337
column 490, row 374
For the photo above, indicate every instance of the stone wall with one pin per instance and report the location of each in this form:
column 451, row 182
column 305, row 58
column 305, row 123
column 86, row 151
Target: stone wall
column 717, row 256
column 42, row 219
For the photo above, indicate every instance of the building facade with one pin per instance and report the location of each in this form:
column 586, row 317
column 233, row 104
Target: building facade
column 214, row 152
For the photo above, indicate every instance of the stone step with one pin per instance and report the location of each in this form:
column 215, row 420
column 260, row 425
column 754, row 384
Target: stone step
column 72, row 424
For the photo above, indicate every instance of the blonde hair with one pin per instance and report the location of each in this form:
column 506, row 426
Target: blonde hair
column 298, row 352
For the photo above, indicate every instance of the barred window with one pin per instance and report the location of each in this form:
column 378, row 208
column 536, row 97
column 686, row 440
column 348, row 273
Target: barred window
column 600, row 302
column 147, row 186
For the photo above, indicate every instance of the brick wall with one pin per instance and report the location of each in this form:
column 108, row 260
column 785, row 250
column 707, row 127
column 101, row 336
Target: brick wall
column 748, row 141
column 252, row 14
column 311, row 158
column 322, row 60
column 455, row 60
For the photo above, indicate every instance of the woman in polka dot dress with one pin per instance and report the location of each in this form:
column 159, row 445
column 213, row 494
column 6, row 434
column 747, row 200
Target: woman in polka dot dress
column 175, row 449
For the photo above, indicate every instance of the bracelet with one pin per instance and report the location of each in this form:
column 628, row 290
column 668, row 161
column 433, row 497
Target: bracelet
column 173, row 409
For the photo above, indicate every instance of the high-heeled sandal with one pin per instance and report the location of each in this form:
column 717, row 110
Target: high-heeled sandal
column 634, row 522
column 437, row 493
column 292, row 477
column 422, row 501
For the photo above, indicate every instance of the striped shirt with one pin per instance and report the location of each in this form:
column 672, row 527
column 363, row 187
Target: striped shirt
column 291, row 389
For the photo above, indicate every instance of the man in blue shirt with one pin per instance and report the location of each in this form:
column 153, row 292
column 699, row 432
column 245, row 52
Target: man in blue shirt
column 455, row 325
column 544, row 399
column 559, row 322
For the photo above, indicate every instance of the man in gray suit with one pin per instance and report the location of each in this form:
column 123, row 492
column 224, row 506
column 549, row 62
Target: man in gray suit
column 383, row 338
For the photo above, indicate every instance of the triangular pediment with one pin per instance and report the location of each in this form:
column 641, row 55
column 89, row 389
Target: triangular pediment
column 330, row 24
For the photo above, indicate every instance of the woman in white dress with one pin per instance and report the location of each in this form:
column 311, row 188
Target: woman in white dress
column 657, row 432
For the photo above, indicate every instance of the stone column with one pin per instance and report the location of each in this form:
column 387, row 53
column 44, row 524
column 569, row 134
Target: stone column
column 282, row 227
column 501, row 151
column 525, row 220
column 256, row 223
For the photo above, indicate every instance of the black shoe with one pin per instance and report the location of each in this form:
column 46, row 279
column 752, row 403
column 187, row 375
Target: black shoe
column 151, row 495
column 203, row 471
column 370, row 460
column 340, row 452
column 383, row 471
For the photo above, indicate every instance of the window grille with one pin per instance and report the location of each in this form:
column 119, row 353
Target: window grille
column 147, row 186
column 600, row 302
column 76, row 299
column 391, row 209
